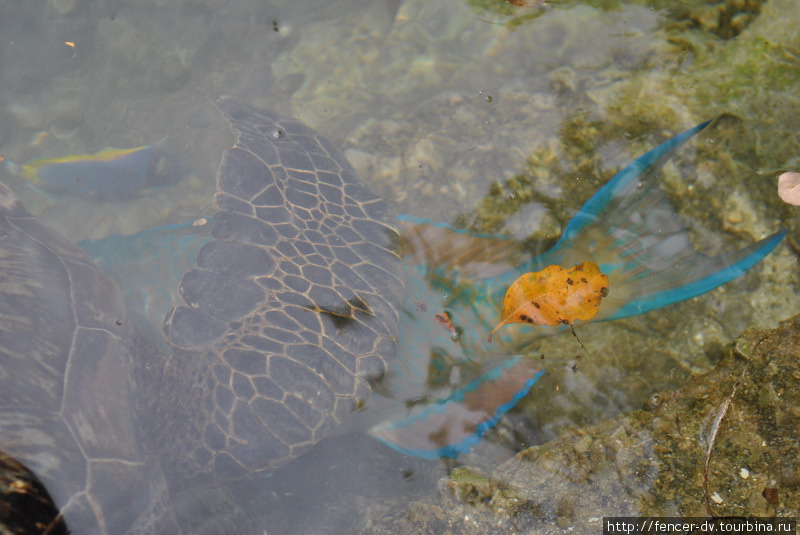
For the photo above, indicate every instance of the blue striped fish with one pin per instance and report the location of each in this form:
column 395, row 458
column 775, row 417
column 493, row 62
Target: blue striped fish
column 111, row 174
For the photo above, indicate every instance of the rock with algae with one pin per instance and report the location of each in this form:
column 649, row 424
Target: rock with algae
column 650, row 462
column 726, row 18
column 697, row 71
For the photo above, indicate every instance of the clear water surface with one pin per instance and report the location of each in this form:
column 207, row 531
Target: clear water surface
column 434, row 102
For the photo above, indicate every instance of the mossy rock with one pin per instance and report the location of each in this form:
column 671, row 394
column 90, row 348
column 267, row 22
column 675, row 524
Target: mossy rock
column 650, row 462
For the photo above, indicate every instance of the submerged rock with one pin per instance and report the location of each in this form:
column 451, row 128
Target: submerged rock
column 650, row 462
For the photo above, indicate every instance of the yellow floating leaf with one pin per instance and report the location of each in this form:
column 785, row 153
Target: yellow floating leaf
column 555, row 296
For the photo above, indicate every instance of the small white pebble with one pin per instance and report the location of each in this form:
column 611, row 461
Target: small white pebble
column 699, row 338
column 716, row 498
column 789, row 188
column 734, row 217
column 744, row 473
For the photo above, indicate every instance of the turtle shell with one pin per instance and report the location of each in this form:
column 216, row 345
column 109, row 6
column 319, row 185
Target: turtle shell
column 285, row 321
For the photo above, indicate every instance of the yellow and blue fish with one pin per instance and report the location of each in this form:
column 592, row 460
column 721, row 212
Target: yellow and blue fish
column 111, row 174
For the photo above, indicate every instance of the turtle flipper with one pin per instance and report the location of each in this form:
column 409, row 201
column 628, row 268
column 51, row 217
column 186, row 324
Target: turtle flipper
column 290, row 312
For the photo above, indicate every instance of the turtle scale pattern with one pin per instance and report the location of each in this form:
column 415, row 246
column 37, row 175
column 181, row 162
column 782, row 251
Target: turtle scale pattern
column 66, row 396
column 292, row 308
column 283, row 325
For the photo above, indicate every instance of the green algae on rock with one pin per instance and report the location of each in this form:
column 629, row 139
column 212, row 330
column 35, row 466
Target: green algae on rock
column 726, row 18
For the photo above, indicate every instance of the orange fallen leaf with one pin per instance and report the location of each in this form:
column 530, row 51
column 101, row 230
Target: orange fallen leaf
column 554, row 296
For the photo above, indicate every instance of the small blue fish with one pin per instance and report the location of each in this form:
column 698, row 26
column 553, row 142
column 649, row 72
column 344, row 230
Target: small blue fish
column 111, row 174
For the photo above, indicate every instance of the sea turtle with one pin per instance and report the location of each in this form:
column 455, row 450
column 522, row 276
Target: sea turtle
column 292, row 312
column 289, row 315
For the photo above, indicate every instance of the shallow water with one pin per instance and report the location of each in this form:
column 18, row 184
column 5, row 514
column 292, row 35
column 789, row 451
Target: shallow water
column 434, row 103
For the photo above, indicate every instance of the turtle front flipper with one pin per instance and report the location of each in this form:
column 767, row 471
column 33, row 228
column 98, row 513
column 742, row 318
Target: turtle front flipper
column 291, row 312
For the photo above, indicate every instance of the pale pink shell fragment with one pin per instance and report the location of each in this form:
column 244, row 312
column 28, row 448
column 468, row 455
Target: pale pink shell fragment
column 789, row 188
